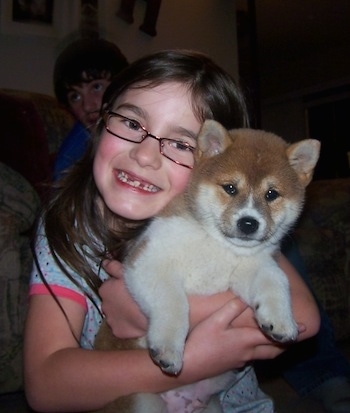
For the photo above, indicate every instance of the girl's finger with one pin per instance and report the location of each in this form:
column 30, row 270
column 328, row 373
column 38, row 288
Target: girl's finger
column 113, row 268
column 228, row 312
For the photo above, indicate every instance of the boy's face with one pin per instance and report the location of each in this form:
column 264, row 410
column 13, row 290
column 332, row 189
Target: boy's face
column 85, row 99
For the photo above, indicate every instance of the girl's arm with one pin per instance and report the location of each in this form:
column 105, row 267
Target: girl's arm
column 305, row 309
column 60, row 376
column 126, row 320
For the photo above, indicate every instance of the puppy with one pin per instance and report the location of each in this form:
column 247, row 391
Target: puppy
column 245, row 193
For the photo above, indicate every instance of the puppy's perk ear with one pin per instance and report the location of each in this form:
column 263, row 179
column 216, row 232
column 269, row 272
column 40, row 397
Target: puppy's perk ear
column 213, row 139
column 303, row 157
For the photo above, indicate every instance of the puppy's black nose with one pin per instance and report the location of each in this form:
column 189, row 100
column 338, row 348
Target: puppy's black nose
column 247, row 225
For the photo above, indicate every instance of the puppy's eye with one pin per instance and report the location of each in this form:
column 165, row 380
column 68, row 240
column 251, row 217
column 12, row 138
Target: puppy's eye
column 230, row 189
column 271, row 195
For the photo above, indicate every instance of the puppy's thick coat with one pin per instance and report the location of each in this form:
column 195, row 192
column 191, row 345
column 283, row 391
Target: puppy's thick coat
column 245, row 193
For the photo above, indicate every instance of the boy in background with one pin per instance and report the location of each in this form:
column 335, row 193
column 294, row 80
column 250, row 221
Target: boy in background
column 82, row 72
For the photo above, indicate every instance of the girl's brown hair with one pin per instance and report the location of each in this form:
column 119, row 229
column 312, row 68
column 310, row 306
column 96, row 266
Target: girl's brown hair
column 76, row 219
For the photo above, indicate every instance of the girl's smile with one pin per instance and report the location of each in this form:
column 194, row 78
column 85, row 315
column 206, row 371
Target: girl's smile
column 135, row 179
column 135, row 182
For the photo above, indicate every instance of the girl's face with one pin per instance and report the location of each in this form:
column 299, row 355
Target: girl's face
column 135, row 180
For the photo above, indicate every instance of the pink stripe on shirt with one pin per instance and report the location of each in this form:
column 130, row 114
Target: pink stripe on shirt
column 58, row 291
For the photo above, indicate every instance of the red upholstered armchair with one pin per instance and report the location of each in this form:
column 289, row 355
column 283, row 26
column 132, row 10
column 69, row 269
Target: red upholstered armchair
column 32, row 128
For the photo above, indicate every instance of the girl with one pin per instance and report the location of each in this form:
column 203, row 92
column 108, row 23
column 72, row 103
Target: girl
column 105, row 200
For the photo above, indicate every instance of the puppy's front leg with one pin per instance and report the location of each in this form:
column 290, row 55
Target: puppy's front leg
column 168, row 326
column 161, row 296
column 271, row 301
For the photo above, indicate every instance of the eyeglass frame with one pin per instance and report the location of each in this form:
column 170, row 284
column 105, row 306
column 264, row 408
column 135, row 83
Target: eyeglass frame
column 109, row 113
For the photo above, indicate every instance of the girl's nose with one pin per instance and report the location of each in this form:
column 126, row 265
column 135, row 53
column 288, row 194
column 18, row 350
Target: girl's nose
column 147, row 153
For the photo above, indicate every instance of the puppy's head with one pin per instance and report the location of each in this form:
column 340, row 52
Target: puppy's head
column 248, row 186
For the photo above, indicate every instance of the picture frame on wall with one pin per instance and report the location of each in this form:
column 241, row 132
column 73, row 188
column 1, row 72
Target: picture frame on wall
column 48, row 18
column 126, row 10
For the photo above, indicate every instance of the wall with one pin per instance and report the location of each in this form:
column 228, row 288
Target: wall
column 320, row 82
column 286, row 82
column 205, row 25
column 286, row 85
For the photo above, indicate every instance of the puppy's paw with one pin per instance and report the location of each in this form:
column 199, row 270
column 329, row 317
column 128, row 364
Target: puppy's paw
column 281, row 335
column 169, row 360
column 279, row 325
column 166, row 343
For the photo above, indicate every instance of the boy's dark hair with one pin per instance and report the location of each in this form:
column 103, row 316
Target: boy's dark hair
column 95, row 58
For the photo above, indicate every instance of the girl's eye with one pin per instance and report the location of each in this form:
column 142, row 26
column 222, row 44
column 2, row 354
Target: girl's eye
column 132, row 124
column 180, row 145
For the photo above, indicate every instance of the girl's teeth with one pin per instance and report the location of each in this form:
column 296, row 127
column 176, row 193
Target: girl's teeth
column 122, row 176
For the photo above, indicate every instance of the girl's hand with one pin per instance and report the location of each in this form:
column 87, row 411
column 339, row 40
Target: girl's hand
column 122, row 313
column 215, row 345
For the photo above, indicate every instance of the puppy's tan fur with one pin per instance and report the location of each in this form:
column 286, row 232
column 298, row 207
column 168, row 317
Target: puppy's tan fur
column 245, row 192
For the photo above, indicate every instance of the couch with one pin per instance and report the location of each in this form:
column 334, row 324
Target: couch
column 323, row 237
column 32, row 128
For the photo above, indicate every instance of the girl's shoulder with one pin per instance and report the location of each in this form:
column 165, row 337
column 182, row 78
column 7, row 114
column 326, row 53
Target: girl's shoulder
column 49, row 268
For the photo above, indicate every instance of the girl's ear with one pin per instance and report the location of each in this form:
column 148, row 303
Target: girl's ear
column 213, row 139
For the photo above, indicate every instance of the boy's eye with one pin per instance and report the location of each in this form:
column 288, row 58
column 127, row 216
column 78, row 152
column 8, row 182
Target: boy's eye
column 97, row 86
column 73, row 97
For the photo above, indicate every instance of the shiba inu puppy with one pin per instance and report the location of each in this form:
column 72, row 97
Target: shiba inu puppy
column 245, row 193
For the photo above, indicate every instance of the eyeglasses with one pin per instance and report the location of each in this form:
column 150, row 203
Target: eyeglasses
column 178, row 151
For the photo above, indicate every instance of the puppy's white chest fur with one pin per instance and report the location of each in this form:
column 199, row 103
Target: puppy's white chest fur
column 186, row 252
